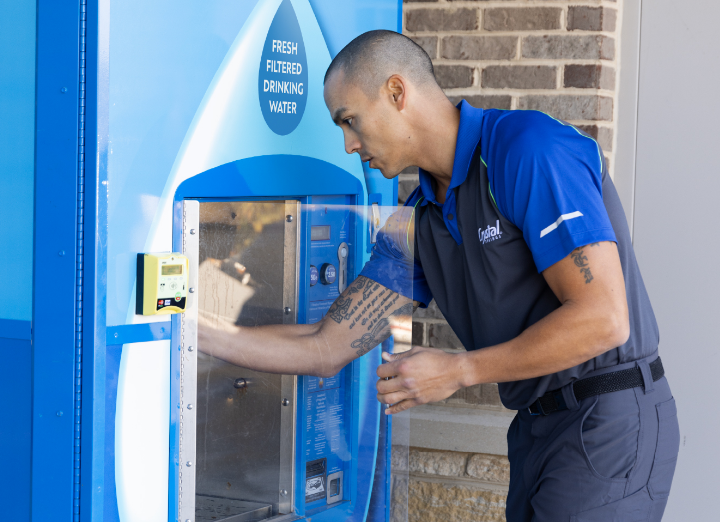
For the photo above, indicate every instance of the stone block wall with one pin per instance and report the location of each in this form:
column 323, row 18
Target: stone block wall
column 556, row 56
column 450, row 485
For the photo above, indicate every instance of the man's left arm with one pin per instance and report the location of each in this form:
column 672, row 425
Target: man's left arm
column 592, row 319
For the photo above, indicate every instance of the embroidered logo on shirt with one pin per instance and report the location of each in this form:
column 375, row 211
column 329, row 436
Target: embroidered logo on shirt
column 489, row 234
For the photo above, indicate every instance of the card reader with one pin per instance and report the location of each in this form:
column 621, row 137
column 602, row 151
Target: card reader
column 162, row 284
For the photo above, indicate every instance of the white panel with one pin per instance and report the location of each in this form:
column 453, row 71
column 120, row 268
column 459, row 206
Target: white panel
column 676, row 220
column 627, row 100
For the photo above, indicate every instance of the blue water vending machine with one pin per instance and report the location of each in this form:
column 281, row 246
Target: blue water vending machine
column 188, row 175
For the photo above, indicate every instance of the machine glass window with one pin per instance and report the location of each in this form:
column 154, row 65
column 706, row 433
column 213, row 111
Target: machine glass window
column 258, row 446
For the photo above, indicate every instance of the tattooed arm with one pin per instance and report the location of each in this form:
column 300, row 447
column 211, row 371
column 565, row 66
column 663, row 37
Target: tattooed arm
column 592, row 319
column 356, row 323
column 366, row 307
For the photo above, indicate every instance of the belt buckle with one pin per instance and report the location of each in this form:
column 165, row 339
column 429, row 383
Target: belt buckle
column 539, row 407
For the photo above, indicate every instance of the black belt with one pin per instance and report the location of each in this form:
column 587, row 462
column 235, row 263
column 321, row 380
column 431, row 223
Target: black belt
column 554, row 401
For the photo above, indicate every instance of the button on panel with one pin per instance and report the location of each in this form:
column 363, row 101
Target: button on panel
column 328, row 274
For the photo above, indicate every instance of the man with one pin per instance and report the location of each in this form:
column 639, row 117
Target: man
column 520, row 237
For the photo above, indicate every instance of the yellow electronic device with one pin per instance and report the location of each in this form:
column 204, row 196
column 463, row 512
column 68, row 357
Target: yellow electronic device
column 162, row 284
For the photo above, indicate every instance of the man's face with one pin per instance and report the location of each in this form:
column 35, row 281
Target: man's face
column 372, row 127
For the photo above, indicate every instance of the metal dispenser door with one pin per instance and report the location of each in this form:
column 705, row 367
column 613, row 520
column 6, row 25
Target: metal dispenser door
column 247, row 257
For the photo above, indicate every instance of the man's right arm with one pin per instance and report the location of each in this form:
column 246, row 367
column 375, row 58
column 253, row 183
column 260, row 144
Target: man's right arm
column 356, row 323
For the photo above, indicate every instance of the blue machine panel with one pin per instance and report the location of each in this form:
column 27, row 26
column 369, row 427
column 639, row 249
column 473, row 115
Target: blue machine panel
column 17, row 168
column 17, row 151
column 181, row 116
column 15, row 428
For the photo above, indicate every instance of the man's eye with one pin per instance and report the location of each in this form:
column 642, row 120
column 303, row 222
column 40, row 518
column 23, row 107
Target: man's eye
column 348, row 121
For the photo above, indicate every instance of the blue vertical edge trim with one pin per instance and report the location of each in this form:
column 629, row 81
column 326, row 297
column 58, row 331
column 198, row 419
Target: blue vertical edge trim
column 54, row 261
column 175, row 364
column 79, row 262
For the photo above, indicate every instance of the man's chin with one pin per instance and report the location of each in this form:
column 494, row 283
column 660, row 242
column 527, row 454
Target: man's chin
column 389, row 174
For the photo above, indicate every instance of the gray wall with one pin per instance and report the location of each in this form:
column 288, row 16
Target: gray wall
column 670, row 180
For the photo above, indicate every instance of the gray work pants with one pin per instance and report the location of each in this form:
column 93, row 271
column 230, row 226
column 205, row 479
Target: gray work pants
column 609, row 458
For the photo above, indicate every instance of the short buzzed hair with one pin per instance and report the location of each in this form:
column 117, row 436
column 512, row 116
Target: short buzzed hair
column 373, row 57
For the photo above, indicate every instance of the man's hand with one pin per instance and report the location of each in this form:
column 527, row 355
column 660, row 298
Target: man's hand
column 418, row 376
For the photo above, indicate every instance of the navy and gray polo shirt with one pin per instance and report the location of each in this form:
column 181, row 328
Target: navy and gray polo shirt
column 526, row 190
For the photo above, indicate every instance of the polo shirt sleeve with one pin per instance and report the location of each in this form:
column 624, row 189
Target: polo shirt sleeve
column 546, row 178
column 392, row 262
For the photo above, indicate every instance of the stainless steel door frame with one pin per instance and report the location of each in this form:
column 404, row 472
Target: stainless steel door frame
column 188, row 367
column 289, row 382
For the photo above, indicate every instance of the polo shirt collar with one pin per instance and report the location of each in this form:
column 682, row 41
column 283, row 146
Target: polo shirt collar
column 469, row 132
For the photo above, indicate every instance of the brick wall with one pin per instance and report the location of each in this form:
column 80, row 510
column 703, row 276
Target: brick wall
column 555, row 56
column 559, row 57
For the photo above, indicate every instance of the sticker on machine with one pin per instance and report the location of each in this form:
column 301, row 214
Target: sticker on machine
column 314, row 488
column 315, row 473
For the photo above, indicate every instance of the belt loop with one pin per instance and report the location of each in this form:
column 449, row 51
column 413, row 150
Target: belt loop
column 568, row 394
column 648, row 383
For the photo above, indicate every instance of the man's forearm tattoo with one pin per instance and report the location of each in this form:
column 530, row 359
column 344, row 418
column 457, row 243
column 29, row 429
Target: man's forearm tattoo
column 581, row 261
column 380, row 331
column 368, row 306
column 343, row 310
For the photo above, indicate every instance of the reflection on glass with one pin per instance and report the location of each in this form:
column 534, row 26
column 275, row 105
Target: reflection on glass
column 239, row 428
column 401, row 330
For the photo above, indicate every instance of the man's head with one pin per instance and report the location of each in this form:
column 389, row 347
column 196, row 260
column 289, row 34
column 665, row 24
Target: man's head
column 375, row 89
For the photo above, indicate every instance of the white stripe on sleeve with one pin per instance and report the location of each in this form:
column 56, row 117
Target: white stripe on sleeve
column 545, row 231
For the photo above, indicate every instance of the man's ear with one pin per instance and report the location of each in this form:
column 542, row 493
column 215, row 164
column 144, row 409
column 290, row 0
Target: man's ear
column 397, row 91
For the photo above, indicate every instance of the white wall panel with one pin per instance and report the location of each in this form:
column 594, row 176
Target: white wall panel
column 676, row 221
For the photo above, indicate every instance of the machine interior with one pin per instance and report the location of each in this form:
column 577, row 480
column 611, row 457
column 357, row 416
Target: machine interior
column 245, row 419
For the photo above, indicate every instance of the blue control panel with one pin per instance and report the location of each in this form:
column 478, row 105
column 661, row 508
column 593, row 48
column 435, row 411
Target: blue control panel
column 331, row 220
column 326, row 402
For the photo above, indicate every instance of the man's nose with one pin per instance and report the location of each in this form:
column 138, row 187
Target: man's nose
column 352, row 144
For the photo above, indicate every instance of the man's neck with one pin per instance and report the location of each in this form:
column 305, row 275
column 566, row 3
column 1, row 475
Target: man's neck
column 436, row 151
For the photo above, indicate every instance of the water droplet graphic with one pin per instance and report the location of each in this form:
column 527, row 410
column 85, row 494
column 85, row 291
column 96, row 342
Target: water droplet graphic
column 283, row 78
